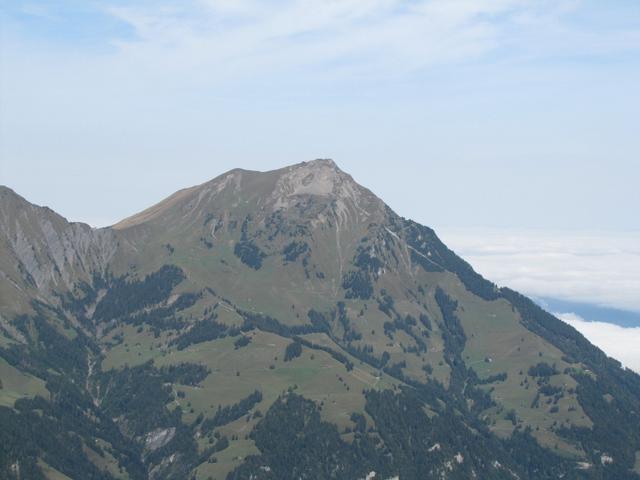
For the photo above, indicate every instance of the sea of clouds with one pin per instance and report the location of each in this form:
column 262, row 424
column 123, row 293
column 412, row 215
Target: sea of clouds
column 596, row 268
column 621, row 343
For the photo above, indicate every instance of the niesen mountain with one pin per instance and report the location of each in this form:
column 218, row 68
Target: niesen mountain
column 287, row 325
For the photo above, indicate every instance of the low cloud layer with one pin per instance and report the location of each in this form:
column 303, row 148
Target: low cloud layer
column 617, row 342
column 596, row 268
column 593, row 268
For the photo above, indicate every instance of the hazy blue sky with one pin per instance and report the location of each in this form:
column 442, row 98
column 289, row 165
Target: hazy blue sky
column 518, row 113
column 510, row 125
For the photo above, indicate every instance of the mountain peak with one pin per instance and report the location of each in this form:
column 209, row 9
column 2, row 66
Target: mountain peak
column 273, row 190
column 318, row 177
column 320, row 162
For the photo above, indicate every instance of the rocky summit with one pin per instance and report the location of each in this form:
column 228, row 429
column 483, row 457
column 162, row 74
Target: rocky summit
column 287, row 325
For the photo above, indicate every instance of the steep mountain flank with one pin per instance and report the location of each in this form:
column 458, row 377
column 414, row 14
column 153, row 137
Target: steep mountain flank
column 41, row 253
column 287, row 324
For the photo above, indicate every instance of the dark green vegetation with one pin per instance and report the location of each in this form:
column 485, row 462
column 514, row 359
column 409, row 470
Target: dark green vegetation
column 287, row 325
column 124, row 297
column 294, row 350
column 293, row 250
column 203, row 331
column 295, row 443
column 405, row 442
column 247, row 251
column 232, row 412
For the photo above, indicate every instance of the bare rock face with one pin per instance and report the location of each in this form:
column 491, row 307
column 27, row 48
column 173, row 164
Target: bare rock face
column 322, row 178
column 270, row 191
column 159, row 438
column 41, row 250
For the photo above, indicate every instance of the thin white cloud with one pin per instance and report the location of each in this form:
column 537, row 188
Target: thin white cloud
column 385, row 37
column 596, row 268
column 245, row 45
column 617, row 342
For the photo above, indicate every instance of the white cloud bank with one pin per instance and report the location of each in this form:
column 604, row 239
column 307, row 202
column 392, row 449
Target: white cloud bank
column 596, row 268
column 621, row 343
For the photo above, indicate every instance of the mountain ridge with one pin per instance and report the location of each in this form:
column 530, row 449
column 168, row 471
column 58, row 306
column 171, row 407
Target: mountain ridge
column 317, row 177
column 243, row 308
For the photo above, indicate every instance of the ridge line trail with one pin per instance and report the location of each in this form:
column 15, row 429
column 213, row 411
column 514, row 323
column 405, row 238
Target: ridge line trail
column 406, row 257
column 359, row 373
column 425, row 257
